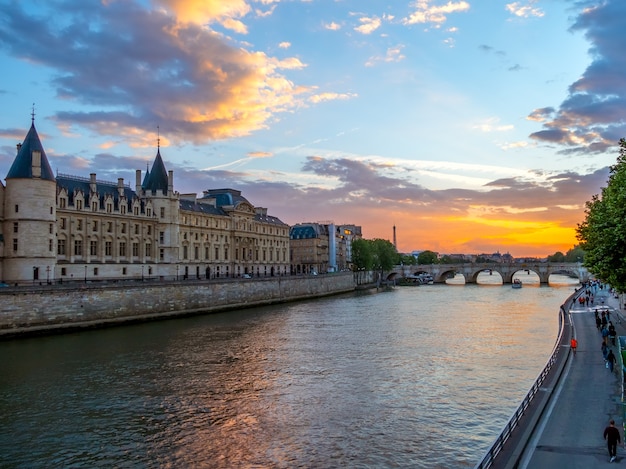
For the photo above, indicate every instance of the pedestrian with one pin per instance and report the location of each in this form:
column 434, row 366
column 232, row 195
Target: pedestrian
column 598, row 322
column 610, row 358
column 605, row 350
column 612, row 332
column 574, row 344
column 605, row 335
column 612, row 437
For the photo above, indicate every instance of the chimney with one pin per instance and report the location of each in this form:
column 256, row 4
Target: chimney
column 138, row 181
column 170, row 181
column 120, row 186
column 92, row 183
column 19, row 147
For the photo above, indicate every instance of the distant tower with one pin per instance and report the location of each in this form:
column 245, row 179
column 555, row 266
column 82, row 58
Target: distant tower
column 30, row 214
column 395, row 245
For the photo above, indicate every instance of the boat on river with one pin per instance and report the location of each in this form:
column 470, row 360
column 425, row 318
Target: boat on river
column 517, row 283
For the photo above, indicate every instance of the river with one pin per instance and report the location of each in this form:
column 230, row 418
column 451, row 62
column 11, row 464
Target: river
column 422, row 377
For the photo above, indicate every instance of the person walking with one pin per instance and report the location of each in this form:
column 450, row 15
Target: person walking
column 612, row 437
column 611, row 359
column 574, row 344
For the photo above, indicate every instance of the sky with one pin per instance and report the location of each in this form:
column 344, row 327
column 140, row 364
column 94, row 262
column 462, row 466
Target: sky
column 471, row 126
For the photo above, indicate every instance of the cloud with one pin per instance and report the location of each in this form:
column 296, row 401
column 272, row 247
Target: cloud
column 284, row 45
column 426, row 13
column 368, row 25
column 592, row 118
column 135, row 69
column 524, row 11
column 332, row 26
column 393, row 54
column 260, row 154
column 318, row 98
column 209, row 11
column 491, row 125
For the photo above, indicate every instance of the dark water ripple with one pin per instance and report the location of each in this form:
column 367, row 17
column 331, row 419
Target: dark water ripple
column 418, row 377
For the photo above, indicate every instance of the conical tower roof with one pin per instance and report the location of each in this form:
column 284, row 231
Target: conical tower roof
column 157, row 179
column 22, row 167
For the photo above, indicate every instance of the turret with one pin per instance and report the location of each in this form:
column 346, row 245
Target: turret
column 30, row 215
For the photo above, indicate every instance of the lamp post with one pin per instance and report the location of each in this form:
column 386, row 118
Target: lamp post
column 85, row 274
column 48, row 275
column 142, row 272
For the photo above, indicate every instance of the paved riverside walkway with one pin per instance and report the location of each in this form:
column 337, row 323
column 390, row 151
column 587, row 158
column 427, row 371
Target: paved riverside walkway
column 586, row 397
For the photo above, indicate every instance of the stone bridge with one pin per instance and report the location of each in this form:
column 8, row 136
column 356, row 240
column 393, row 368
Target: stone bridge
column 442, row 272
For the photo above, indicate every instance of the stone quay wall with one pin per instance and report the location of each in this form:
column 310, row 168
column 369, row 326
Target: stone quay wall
column 45, row 309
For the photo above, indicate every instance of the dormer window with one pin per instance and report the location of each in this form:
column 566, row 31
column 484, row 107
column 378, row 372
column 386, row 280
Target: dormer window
column 94, row 206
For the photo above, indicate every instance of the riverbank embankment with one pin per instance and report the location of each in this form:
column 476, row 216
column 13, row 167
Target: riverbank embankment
column 48, row 309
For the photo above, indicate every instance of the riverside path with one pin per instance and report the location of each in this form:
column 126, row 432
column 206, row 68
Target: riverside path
column 569, row 433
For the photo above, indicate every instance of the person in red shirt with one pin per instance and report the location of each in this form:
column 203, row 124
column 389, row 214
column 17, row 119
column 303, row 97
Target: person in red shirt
column 574, row 344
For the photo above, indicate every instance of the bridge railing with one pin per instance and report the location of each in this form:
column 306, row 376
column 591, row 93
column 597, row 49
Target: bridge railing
column 515, row 419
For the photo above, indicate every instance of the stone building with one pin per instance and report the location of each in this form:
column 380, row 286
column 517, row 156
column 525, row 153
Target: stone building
column 71, row 228
column 321, row 247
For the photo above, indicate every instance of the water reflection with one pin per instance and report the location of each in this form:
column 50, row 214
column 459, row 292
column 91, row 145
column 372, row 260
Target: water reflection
column 376, row 380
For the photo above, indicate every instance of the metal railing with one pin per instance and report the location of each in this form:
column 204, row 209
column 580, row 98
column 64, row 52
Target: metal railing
column 499, row 442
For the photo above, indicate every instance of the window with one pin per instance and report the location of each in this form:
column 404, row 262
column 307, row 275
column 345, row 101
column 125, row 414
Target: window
column 109, row 207
column 149, row 212
column 79, row 225
column 161, row 237
column 15, row 227
column 79, row 205
column 206, row 253
column 63, row 271
column 108, row 248
column 62, row 202
column 161, row 254
column 78, row 247
column 135, row 210
column 50, row 245
column 123, row 270
column 63, row 223
column 162, row 212
column 135, row 249
column 93, row 248
column 61, row 247
column 137, row 229
column 122, row 249
column 123, row 228
column 216, row 254
column 123, row 209
column 95, row 271
column 17, row 208
column 15, row 245
column 94, row 206
column 225, row 253
column 148, row 250
column 149, row 230
column 51, row 228
column 109, row 227
column 185, row 254
column 94, row 226
column 196, row 252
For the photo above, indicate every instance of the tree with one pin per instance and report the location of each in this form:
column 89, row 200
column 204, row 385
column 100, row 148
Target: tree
column 385, row 255
column 408, row 259
column 556, row 257
column 576, row 254
column 362, row 256
column 603, row 232
column 427, row 257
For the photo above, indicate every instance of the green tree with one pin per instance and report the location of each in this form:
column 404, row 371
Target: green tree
column 384, row 254
column 556, row 257
column 362, row 255
column 427, row 257
column 408, row 259
column 576, row 254
column 603, row 233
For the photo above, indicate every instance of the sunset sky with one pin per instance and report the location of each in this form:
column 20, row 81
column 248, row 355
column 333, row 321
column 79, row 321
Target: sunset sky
column 472, row 126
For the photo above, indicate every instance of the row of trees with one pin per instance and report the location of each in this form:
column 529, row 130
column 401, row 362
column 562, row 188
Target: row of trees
column 603, row 233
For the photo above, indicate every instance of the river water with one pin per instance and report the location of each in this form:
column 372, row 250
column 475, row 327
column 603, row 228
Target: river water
column 422, row 377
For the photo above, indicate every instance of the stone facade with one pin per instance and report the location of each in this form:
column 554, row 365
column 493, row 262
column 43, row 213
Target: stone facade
column 27, row 310
column 65, row 228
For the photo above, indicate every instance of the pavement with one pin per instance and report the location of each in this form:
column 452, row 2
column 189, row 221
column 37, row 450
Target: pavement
column 567, row 430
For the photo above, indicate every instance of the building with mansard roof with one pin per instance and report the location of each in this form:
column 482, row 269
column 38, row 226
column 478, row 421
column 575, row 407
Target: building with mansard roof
column 72, row 228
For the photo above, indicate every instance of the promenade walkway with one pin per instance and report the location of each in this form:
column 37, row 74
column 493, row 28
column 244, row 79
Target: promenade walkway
column 569, row 431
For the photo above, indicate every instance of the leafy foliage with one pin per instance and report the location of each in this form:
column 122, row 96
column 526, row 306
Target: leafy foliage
column 374, row 254
column 427, row 257
column 603, row 233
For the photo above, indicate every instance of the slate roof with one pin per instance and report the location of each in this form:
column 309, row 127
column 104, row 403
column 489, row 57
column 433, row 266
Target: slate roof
column 225, row 197
column 156, row 180
column 103, row 188
column 22, row 167
column 305, row 231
